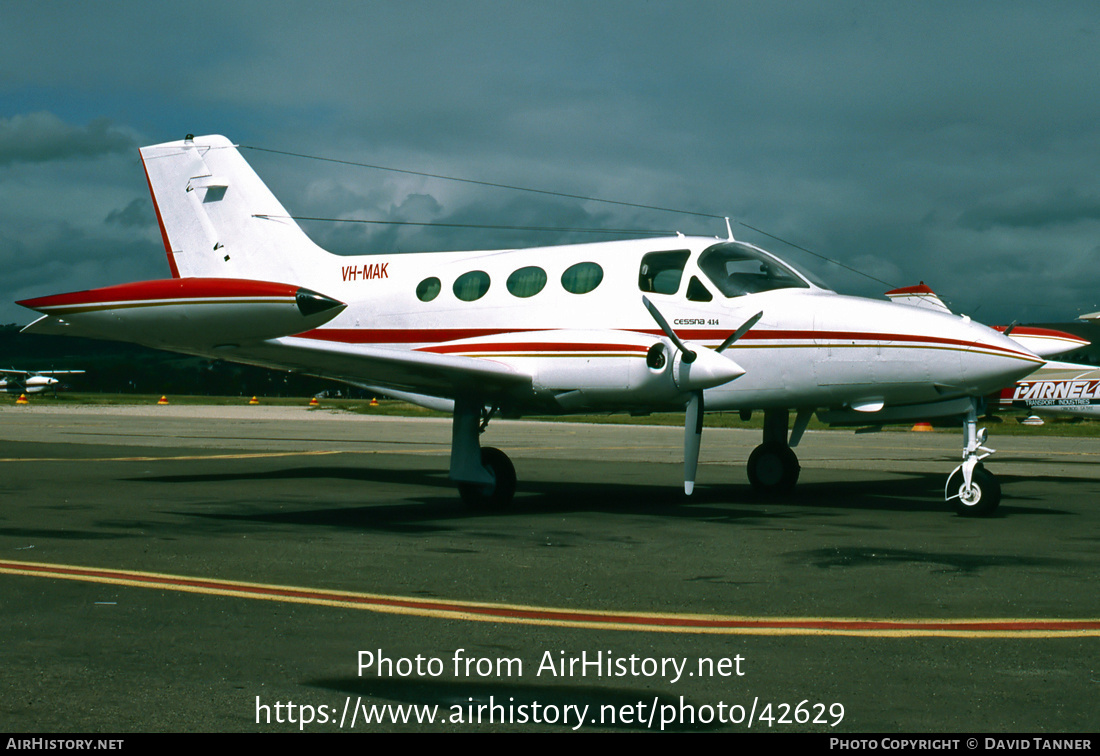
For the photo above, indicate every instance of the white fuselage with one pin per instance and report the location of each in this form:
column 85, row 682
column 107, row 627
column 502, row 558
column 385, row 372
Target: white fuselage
column 812, row 348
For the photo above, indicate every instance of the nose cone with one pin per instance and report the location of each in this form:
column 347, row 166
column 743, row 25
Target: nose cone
column 709, row 369
column 917, row 350
column 994, row 360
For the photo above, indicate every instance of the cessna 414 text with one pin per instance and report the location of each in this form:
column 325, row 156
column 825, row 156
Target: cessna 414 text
column 678, row 323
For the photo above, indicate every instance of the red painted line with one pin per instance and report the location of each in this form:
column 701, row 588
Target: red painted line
column 571, row 617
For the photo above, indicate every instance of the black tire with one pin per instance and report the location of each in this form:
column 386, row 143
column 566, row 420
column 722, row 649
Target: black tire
column 498, row 494
column 773, row 469
column 982, row 498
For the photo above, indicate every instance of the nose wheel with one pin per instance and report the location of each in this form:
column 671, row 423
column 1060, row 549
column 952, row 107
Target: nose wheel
column 977, row 499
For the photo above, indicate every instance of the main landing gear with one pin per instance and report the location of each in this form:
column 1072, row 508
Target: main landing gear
column 485, row 476
column 973, row 489
column 773, row 466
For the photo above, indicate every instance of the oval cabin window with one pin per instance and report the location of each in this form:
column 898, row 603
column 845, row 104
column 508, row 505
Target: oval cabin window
column 582, row 277
column 428, row 289
column 472, row 285
column 527, row 282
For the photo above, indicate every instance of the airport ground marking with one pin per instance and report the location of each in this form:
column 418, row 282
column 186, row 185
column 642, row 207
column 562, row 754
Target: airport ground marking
column 577, row 618
column 176, row 458
column 440, row 451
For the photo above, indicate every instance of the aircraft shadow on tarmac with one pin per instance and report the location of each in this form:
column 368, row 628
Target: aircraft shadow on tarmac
column 415, row 512
column 447, row 694
column 954, row 562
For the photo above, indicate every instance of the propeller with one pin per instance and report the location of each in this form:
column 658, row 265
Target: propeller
column 740, row 332
column 689, row 356
column 703, row 370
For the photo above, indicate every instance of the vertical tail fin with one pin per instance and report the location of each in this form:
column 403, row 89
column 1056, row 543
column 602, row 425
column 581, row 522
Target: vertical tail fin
column 219, row 220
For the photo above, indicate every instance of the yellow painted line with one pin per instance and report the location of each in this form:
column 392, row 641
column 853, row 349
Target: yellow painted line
column 255, row 455
column 577, row 618
column 441, row 449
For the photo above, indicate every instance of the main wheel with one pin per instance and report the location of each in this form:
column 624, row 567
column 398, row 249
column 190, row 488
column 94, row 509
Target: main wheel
column 773, row 469
column 981, row 499
column 495, row 495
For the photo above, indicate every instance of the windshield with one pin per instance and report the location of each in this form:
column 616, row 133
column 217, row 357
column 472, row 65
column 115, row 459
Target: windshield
column 738, row 269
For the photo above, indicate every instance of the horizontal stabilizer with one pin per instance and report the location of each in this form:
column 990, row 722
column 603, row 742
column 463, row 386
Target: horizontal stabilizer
column 190, row 314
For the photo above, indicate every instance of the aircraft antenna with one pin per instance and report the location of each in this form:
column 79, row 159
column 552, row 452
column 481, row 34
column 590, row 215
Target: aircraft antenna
column 483, row 183
column 637, row 231
column 819, row 256
column 564, row 195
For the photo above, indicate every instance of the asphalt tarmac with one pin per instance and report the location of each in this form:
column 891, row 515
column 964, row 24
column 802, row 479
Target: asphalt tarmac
column 253, row 569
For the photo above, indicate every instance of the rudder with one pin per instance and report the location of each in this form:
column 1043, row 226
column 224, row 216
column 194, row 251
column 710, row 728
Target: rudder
column 219, row 220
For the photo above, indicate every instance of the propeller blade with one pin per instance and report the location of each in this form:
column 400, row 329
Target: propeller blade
column 689, row 356
column 740, row 331
column 693, row 435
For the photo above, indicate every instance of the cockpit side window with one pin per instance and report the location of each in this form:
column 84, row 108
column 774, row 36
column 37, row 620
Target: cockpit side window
column 697, row 292
column 737, row 269
column 661, row 272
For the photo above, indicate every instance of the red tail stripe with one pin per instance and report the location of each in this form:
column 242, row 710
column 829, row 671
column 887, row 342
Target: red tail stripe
column 167, row 288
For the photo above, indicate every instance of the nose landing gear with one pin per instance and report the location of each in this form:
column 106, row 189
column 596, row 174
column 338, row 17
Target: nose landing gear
column 973, row 489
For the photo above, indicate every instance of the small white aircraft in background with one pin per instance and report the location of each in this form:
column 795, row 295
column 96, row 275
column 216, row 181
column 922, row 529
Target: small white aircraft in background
column 680, row 323
column 31, row 381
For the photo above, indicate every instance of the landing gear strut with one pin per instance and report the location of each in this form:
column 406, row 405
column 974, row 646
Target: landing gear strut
column 485, row 476
column 973, row 489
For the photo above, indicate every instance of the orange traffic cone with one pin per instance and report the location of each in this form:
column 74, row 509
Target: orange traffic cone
column 374, row 401
column 163, row 400
column 314, row 403
column 22, row 399
column 253, row 400
column 923, row 426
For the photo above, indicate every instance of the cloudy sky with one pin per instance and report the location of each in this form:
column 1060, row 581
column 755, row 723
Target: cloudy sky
column 954, row 143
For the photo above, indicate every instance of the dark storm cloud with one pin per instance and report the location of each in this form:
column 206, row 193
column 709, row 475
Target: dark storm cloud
column 137, row 214
column 947, row 142
column 1065, row 207
column 43, row 137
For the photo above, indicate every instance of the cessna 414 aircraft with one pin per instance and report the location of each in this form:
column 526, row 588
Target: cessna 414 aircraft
column 640, row 326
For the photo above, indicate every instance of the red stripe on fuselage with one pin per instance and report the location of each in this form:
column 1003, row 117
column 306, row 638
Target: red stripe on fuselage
column 920, row 288
column 1047, row 332
column 440, row 335
column 516, row 346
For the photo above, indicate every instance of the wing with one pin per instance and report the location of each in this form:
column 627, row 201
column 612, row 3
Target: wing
column 440, row 375
column 253, row 322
